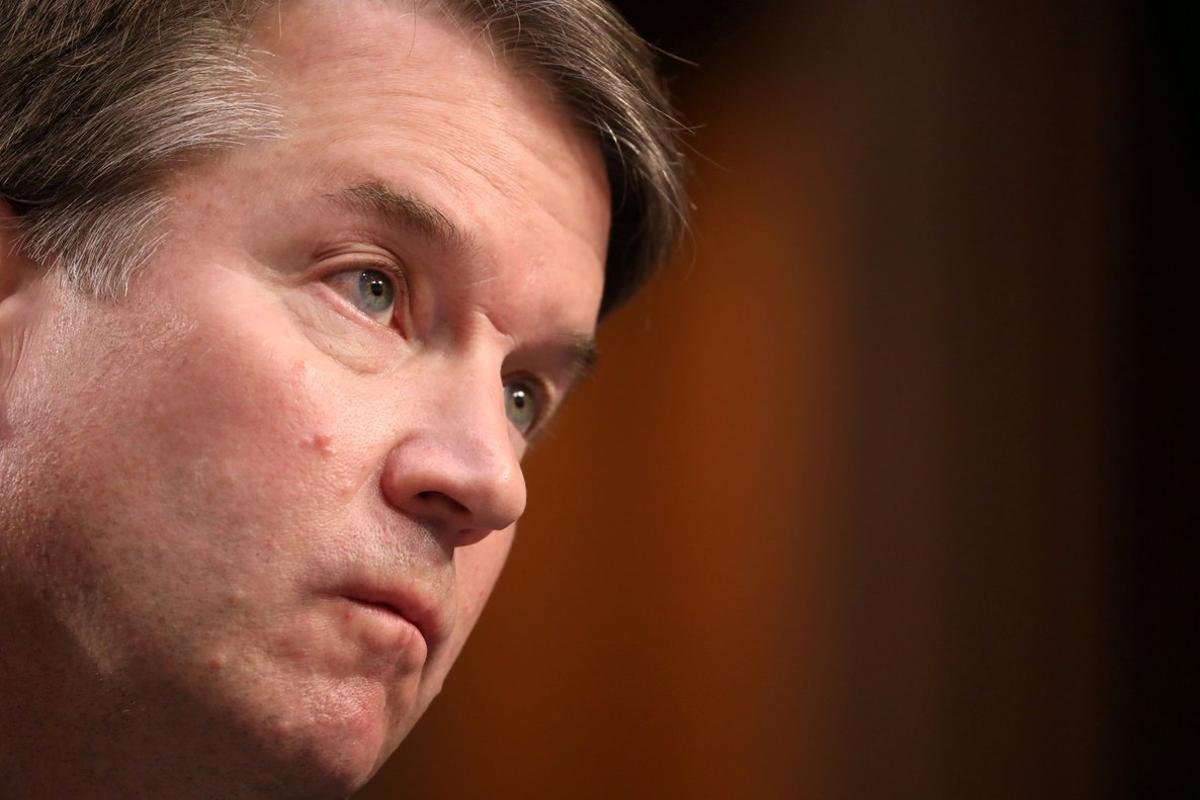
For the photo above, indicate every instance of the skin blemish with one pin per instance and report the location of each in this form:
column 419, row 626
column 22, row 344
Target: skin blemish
column 322, row 443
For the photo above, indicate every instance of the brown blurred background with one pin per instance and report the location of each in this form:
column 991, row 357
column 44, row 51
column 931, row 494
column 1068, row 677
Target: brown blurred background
column 874, row 494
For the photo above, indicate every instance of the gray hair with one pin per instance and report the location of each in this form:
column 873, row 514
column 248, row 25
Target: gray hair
column 100, row 98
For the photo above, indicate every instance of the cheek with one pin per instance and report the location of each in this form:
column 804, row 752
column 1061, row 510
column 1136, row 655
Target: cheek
column 208, row 433
column 242, row 426
column 235, row 430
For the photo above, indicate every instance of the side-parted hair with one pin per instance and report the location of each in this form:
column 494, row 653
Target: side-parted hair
column 99, row 99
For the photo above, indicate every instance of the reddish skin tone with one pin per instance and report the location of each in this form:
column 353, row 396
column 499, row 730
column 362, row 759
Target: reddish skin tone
column 200, row 481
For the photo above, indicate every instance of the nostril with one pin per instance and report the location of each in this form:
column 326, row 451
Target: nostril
column 441, row 498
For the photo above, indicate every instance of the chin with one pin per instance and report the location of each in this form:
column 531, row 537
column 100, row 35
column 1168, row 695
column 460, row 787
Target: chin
column 330, row 750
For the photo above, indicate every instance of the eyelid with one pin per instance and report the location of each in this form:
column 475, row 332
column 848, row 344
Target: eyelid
column 347, row 259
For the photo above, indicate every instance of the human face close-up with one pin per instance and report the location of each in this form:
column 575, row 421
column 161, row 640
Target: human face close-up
column 263, row 498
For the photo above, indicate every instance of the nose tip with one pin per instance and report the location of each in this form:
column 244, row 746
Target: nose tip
column 459, row 485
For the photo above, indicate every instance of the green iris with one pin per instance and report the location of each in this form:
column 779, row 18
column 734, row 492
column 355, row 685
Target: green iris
column 376, row 293
column 520, row 404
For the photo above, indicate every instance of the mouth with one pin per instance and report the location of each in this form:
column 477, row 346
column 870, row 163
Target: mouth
column 399, row 606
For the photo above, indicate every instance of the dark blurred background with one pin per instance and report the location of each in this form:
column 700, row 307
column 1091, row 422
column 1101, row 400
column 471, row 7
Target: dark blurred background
column 878, row 489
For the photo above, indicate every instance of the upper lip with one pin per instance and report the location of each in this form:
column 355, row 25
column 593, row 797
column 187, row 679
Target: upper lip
column 415, row 607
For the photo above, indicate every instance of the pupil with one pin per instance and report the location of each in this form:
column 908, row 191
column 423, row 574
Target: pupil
column 519, row 399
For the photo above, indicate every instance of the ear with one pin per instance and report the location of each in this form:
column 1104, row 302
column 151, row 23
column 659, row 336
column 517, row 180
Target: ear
column 19, row 280
column 19, row 296
column 12, row 275
column 15, row 268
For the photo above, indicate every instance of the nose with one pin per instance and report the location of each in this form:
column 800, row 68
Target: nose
column 459, row 472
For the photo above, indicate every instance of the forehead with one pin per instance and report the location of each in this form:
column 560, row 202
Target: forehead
column 429, row 92
column 379, row 87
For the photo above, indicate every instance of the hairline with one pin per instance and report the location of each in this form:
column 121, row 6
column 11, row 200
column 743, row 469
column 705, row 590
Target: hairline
column 102, row 223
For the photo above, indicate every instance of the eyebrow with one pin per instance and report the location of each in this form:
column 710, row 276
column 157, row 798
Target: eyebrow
column 403, row 210
column 583, row 358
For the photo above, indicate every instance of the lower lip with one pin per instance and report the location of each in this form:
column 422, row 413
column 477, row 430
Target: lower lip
column 382, row 628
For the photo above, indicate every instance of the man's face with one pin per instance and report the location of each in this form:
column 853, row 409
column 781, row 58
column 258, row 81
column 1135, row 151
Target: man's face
column 263, row 499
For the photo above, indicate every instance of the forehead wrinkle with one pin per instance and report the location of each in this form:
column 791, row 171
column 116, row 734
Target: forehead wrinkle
column 493, row 166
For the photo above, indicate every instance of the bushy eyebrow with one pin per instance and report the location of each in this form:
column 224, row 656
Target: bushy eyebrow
column 403, row 210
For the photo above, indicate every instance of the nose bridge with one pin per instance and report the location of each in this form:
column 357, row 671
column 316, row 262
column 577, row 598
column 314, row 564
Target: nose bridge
column 457, row 468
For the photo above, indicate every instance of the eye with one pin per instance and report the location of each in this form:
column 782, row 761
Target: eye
column 521, row 405
column 371, row 291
